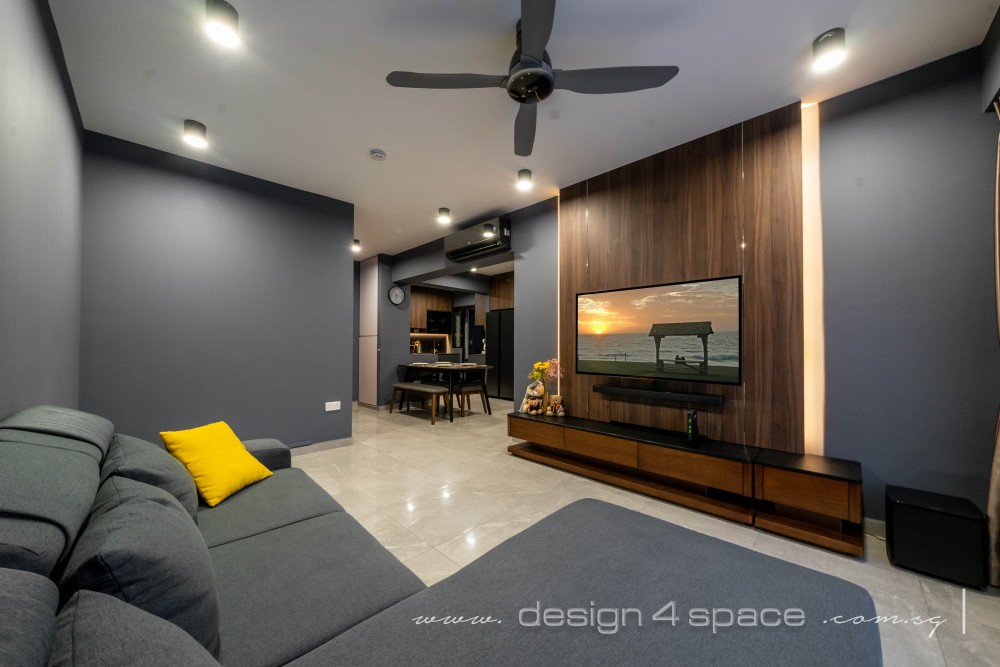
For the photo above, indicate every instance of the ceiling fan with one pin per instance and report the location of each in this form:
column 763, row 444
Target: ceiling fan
column 531, row 78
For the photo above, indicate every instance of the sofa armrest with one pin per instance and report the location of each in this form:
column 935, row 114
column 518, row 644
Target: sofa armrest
column 272, row 453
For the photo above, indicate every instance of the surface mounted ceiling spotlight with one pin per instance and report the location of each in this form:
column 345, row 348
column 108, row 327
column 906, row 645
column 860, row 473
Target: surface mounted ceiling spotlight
column 222, row 23
column 489, row 231
column 356, row 246
column 444, row 216
column 524, row 179
column 829, row 50
column 195, row 134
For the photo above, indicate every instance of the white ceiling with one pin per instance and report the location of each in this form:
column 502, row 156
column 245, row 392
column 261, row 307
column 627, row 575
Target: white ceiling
column 305, row 99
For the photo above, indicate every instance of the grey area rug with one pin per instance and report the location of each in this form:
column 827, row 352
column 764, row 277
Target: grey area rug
column 596, row 584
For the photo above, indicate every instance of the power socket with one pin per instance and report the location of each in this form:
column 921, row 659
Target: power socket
column 332, row 406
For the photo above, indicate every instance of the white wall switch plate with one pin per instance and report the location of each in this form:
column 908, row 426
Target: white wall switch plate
column 332, row 406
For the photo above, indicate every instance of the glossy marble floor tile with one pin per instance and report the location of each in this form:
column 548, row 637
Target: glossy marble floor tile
column 438, row 497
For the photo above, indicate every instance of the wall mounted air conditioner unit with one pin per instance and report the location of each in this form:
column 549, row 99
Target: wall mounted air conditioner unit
column 471, row 243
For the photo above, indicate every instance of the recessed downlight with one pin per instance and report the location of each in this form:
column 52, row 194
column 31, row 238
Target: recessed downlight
column 195, row 134
column 222, row 23
column 444, row 216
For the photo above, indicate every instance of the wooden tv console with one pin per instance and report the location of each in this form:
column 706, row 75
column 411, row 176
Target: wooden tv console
column 815, row 499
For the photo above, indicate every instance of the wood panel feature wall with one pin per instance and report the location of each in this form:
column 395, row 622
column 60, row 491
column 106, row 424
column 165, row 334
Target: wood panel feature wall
column 480, row 302
column 685, row 214
column 423, row 299
column 502, row 291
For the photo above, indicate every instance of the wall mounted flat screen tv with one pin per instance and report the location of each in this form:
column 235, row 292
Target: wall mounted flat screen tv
column 679, row 331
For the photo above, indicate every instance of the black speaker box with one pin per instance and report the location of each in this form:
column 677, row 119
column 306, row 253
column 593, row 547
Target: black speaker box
column 935, row 534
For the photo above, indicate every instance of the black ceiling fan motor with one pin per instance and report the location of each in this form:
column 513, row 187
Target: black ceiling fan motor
column 529, row 84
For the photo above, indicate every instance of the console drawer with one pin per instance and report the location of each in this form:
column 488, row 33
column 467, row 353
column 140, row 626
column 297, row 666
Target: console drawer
column 537, row 432
column 696, row 468
column 602, row 447
column 822, row 495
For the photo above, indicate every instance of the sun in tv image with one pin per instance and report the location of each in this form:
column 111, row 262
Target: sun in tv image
column 684, row 331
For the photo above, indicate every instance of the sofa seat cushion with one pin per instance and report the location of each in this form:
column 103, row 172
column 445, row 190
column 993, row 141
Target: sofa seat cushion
column 45, row 496
column 64, row 422
column 287, row 591
column 150, row 464
column 592, row 556
column 27, row 618
column 142, row 547
column 286, row 497
column 97, row 630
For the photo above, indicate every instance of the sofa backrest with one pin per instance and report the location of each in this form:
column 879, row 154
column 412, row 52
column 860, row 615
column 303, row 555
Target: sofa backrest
column 50, row 460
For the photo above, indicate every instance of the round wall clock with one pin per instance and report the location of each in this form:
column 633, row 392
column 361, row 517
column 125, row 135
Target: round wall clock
column 396, row 294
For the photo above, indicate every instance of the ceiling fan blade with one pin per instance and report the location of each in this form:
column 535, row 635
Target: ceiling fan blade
column 524, row 129
column 613, row 79
column 536, row 26
column 417, row 80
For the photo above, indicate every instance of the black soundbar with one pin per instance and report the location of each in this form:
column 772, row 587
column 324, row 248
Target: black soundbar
column 658, row 395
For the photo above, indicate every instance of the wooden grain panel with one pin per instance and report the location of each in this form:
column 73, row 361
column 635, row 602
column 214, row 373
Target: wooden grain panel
column 855, row 497
column 601, row 447
column 623, row 480
column 694, row 468
column 480, row 302
column 829, row 497
column 502, row 291
column 549, row 435
column 773, row 345
column 684, row 214
column 573, row 273
column 423, row 299
column 852, row 544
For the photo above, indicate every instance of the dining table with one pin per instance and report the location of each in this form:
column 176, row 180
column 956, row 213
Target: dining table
column 417, row 371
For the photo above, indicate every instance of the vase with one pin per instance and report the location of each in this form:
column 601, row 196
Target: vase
column 550, row 389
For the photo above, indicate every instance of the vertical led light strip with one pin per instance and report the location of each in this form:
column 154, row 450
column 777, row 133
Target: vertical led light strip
column 743, row 269
column 993, row 501
column 559, row 351
column 814, row 353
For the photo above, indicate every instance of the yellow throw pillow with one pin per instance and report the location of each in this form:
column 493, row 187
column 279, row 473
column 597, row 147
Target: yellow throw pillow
column 216, row 459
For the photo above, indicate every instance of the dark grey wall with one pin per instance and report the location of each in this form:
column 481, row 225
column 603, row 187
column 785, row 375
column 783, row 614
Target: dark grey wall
column 463, row 281
column 912, row 361
column 211, row 295
column 534, row 233
column 39, row 215
column 357, row 329
column 393, row 332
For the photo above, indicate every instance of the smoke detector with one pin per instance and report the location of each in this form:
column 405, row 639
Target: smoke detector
column 377, row 154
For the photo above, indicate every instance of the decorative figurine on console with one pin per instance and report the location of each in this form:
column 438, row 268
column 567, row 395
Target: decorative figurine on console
column 555, row 408
column 534, row 399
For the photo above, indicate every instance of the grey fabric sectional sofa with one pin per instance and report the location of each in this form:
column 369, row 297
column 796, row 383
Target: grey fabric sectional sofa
column 107, row 558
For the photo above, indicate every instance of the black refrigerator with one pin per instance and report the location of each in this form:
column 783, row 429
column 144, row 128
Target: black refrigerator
column 500, row 353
